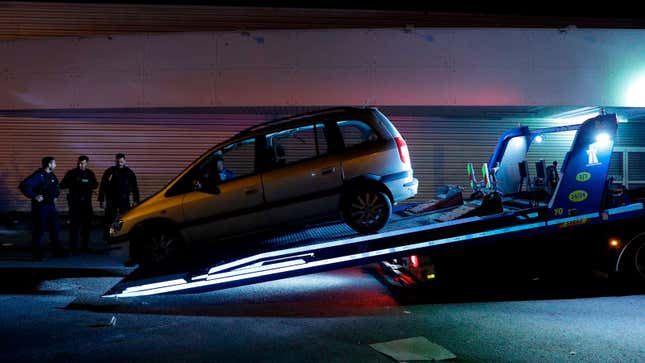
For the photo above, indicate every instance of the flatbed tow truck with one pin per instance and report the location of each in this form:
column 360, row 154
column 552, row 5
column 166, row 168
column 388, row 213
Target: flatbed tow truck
column 582, row 217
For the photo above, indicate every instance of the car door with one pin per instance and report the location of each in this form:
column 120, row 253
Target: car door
column 303, row 179
column 225, row 202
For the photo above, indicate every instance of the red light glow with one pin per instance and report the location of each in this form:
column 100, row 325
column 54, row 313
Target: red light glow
column 404, row 154
column 414, row 261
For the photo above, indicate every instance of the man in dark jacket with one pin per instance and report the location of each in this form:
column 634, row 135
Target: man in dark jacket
column 42, row 188
column 80, row 181
column 552, row 176
column 117, row 183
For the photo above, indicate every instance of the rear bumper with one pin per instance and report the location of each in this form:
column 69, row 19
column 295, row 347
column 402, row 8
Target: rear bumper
column 403, row 188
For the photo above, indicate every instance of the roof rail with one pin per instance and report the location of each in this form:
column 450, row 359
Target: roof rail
column 306, row 114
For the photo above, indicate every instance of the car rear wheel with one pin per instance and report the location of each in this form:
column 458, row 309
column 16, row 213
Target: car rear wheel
column 367, row 211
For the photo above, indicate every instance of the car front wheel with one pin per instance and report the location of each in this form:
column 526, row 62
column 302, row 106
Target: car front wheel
column 153, row 247
column 367, row 211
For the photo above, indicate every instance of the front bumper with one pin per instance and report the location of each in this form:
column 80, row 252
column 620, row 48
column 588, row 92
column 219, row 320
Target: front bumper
column 118, row 239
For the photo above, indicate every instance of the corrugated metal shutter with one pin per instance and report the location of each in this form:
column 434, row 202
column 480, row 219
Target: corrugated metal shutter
column 631, row 134
column 157, row 147
column 160, row 143
column 440, row 148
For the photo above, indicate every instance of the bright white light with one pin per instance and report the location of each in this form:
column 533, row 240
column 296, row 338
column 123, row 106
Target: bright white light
column 156, row 285
column 602, row 139
column 576, row 116
column 539, row 139
column 636, row 93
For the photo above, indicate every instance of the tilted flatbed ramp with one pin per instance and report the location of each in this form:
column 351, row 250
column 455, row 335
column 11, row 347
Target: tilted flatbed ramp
column 365, row 249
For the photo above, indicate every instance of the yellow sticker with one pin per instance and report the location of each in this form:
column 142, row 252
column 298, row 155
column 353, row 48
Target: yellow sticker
column 573, row 223
column 578, row 196
column 583, row 176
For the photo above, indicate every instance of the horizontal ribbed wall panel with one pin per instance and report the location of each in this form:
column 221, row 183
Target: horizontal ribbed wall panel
column 21, row 20
column 157, row 147
column 159, row 144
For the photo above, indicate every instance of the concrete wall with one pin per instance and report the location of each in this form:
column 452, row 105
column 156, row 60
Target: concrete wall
column 427, row 67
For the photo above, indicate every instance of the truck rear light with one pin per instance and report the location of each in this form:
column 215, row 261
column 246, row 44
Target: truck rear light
column 614, row 242
column 414, row 261
column 404, row 154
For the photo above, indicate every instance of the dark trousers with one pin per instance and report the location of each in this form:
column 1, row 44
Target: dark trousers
column 552, row 185
column 44, row 217
column 80, row 215
column 112, row 211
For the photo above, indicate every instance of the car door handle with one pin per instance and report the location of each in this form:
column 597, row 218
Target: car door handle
column 251, row 191
column 328, row 170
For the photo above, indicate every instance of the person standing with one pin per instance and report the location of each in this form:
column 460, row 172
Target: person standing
column 42, row 188
column 552, row 176
column 81, row 182
column 117, row 183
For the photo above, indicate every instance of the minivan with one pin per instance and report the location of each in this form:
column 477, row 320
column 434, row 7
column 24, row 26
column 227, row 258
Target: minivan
column 347, row 163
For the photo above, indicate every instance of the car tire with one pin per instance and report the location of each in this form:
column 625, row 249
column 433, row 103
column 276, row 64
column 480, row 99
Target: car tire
column 157, row 247
column 366, row 210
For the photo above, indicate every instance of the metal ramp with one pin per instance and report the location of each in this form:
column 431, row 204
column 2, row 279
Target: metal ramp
column 365, row 249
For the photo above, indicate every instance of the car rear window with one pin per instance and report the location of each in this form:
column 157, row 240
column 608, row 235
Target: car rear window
column 355, row 132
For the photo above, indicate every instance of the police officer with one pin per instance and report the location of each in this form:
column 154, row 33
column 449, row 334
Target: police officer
column 42, row 188
column 80, row 181
column 117, row 183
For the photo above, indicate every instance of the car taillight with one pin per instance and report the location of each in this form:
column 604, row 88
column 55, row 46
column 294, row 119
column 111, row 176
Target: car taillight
column 404, row 154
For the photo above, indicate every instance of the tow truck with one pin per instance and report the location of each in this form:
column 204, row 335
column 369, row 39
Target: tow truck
column 584, row 217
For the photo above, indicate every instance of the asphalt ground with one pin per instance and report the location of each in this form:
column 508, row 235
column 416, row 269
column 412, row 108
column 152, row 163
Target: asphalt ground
column 52, row 311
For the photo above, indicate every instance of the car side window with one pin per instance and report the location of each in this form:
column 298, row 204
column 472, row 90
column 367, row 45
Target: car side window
column 233, row 161
column 356, row 132
column 297, row 144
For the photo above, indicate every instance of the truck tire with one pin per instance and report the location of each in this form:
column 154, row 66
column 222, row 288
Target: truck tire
column 367, row 210
column 631, row 262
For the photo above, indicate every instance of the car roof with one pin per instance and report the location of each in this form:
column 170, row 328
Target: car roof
column 273, row 124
